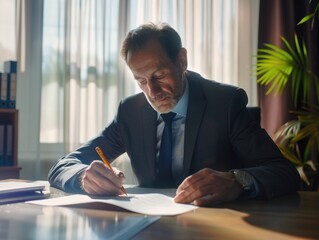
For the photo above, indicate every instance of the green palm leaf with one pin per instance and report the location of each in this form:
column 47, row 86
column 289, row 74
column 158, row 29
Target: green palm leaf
column 303, row 175
column 310, row 16
column 306, row 18
column 303, row 129
column 287, row 131
column 309, row 121
column 275, row 67
column 289, row 155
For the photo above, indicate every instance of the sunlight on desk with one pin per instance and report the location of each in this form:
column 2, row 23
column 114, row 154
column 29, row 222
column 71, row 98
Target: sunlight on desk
column 64, row 223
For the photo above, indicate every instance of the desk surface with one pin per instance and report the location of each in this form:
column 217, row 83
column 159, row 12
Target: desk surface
column 290, row 217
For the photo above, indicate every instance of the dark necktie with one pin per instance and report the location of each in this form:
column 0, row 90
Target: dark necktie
column 165, row 156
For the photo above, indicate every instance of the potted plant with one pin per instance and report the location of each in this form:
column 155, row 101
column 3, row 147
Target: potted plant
column 297, row 139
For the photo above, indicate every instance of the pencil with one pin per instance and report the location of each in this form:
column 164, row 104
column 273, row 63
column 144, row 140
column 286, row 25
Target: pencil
column 99, row 151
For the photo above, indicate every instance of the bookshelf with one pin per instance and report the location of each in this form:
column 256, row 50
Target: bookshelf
column 10, row 169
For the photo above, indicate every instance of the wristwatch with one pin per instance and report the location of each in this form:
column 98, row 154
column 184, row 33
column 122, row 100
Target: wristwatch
column 244, row 179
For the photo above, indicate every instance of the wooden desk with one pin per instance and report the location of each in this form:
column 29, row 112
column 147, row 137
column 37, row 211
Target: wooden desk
column 289, row 217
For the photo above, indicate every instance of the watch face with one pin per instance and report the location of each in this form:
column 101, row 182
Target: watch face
column 244, row 178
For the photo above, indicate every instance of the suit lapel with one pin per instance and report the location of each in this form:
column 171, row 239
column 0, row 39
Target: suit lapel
column 149, row 125
column 195, row 112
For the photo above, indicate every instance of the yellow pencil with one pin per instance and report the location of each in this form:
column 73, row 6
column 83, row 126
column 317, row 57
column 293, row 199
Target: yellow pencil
column 99, row 151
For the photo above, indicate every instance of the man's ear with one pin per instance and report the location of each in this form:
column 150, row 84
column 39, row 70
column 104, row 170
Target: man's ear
column 182, row 59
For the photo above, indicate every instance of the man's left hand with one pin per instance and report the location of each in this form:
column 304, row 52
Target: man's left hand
column 208, row 187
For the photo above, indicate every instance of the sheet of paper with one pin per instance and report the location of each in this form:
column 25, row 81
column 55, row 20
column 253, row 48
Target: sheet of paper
column 147, row 203
column 133, row 189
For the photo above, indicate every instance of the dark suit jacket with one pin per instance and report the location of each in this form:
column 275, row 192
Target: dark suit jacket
column 219, row 134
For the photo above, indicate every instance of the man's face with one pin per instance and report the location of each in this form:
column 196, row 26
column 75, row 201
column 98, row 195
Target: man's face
column 161, row 80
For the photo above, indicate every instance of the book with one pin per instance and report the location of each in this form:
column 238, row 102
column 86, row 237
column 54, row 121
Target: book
column 4, row 145
column 11, row 93
column 8, row 158
column 17, row 186
column 3, row 90
column 21, row 196
column 12, row 191
column 1, row 144
column 10, row 66
column 8, row 85
column 8, row 90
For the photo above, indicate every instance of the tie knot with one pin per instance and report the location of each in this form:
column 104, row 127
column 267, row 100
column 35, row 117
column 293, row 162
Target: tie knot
column 168, row 117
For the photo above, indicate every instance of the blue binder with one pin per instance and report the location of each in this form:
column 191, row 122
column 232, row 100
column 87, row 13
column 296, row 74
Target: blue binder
column 8, row 85
column 1, row 145
column 5, row 145
column 10, row 66
column 3, row 90
column 9, row 151
column 11, row 91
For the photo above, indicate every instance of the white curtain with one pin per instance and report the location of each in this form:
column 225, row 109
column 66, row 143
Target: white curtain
column 82, row 77
column 7, row 32
column 79, row 79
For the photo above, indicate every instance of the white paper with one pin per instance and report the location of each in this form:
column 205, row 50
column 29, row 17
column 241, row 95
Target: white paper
column 148, row 204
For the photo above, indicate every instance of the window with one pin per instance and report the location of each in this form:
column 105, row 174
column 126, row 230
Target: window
column 7, row 29
column 83, row 77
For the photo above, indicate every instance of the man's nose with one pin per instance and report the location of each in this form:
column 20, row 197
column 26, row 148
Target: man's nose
column 153, row 88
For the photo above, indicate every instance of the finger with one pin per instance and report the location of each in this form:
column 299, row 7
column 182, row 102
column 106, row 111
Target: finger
column 190, row 181
column 107, row 189
column 194, row 187
column 98, row 179
column 208, row 200
column 87, row 184
column 119, row 174
column 99, row 168
column 89, row 188
column 203, row 174
column 192, row 193
column 98, row 185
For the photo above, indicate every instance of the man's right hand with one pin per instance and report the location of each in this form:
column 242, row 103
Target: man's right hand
column 97, row 179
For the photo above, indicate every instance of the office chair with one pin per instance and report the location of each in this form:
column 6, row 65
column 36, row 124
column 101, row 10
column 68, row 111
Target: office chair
column 255, row 112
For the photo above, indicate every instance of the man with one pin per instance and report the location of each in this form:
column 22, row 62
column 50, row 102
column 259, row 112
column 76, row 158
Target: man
column 218, row 153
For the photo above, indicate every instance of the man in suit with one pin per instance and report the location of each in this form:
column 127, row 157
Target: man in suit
column 216, row 151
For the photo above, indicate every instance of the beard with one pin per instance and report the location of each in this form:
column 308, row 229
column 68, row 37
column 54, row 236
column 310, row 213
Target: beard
column 163, row 106
column 165, row 102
